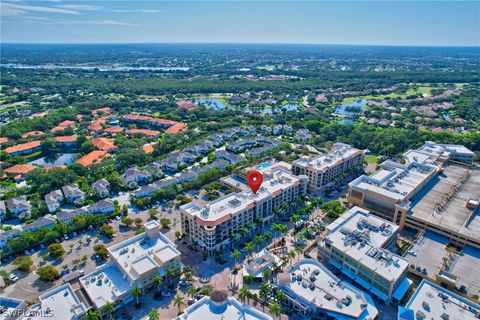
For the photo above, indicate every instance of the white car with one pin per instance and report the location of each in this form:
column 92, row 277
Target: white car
column 13, row 277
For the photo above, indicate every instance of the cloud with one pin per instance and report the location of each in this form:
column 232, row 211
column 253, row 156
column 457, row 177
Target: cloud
column 138, row 10
column 80, row 7
column 97, row 22
column 8, row 9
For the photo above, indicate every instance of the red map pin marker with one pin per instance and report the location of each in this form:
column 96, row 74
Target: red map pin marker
column 254, row 179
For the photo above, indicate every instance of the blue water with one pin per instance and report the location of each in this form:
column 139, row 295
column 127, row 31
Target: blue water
column 291, row 107
column 347, row 121
column 342, row 109
column 212, row 104
column 266, row 111
column 66, row 158
column 264, row 165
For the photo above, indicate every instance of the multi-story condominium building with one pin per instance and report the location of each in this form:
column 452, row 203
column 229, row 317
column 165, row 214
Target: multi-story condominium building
column 357, row 244
column 211, row 225
column 431, row 301
column 428, row 192
column 314, row 291
column 322, row 171
column 24, row 148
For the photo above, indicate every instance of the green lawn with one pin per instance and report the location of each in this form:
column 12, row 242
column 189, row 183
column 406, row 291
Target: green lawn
column 370, row 158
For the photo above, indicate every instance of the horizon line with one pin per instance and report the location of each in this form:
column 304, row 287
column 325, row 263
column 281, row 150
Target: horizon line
column 244, row 43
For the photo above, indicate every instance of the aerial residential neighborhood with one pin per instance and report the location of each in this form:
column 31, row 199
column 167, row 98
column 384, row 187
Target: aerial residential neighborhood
column 239, row 160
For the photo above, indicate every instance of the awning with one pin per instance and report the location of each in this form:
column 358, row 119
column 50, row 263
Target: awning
column 405, row 313
column 371, row 307
column 363, row 283
column 335, row 263
column 379, row 294
column 348, row 273
column 162, row 272
column 402, row 289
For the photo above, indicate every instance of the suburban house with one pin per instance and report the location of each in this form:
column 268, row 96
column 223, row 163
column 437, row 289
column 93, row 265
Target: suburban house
column 66, row 141
column 19, row 206
column 102, row 187
column 53, row 200
column 73, row 194
column 102, row 206
column 134, row 176
column 104, row 144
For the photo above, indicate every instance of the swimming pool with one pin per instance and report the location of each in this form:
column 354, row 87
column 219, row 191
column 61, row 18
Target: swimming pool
column 264, row 165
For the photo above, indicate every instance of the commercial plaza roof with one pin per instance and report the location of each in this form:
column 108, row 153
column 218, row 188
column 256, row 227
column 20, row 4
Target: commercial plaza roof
column 431, row 301
column 218, row 211
column 362, row 236
column 106, row 284
column 143, row 253
column 61, row 303
column 454, row 216
column 207, row 309
column 396, row 181
column 260, row 262
column 311, row 284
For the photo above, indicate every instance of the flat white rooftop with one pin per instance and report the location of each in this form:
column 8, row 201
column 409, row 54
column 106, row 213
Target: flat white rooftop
column 431, row 301
column 61, row 303
column 141, row 254
column 106, row 284
column 231, row 309
column 362, row 237
column 395, row 180
column 339, row 153
column 274, row 182
column 311, row 283
column 261, row 261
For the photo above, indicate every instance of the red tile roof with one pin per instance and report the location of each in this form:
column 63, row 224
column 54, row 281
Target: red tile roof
column 93, row 157
column 67, row 123
column 103, row 144
column 94, row 128
column 148, row 147
column 188, row 105
column 32, row 134
column 4, row 140
column 146, row 132
column 113, row 130
column 105, row 110
column 23, row 147
column 20, row 169
column 62, row 139
column 177, row 128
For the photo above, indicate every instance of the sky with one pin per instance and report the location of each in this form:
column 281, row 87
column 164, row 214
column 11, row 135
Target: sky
column 419, row 23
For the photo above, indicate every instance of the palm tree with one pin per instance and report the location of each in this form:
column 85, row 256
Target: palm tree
column 248, row 278
column 275, row 310
column 249, row 247
column 178, row 302
column 153, row 315
column 266, row 275
column 109, row 308
column 136, row 292
column 235, row 256
column 258, row 240
column 264, row 291
column 268, row 237
column 291, row 255
column 281, row 296
column 245, row 294
column 171, row 274
column 298, row 251
column 243, row 231
column 157, row 280
column 191, row 292
column 93, row 315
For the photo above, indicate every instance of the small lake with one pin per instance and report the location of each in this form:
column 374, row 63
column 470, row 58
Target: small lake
column 342, row 109
column 212, row 104
column 65, row 158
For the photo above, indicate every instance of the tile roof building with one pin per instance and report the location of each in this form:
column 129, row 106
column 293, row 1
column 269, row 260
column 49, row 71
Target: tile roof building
column 93, row 157
column 104, row 144
column 24, row 148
